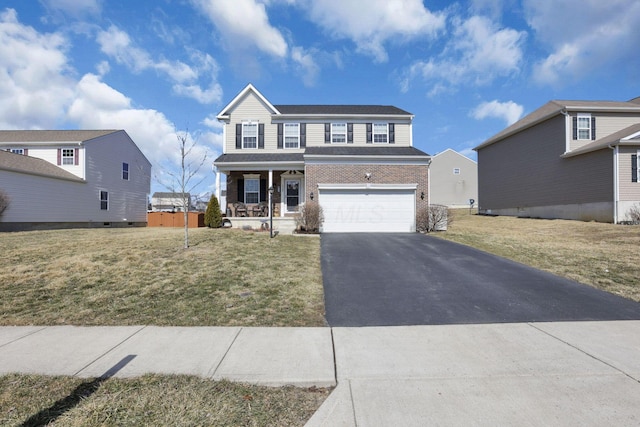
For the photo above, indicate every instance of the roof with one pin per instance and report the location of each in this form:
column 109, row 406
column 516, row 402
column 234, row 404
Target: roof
column 259, row 158
column 167, row 195
column 627, row 136
column 34, row 166
column 342, row 110
column 382, row 151
column 555, row 107
column 17, row 136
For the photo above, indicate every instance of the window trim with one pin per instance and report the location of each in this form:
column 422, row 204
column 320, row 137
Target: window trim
column 334, row 134
column 256, row 192
column 245, row 125
column 374, row 133
column 297, row 135
column 104, row 201
column 587, row 118
column 125, row 171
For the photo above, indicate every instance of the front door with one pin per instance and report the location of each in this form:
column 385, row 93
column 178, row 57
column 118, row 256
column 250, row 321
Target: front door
column 292, row 195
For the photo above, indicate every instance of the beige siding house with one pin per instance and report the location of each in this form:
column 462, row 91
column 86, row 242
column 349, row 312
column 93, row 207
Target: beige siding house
column 453, row 180
column 72, row 178
column 567, row 159
column 356, row 161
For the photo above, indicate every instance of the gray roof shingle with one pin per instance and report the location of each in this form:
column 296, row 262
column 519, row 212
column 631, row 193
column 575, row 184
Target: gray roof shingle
column 346, row 150
column 342, row 110
column 259, row 157
column 18, row 136
column 34, row 166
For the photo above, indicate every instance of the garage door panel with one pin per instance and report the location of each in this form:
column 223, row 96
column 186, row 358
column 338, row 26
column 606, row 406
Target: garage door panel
column 371, row 211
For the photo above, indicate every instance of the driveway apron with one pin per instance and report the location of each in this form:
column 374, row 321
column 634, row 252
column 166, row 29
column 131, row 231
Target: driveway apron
column 413, row 279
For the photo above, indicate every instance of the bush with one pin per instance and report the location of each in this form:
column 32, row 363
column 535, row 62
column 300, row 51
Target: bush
column 310, row 218
column 433, row 218
column 634, row 214
column 213, row 216
column 4, row 201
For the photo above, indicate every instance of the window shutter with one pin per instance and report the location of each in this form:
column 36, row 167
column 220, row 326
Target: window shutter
column 261, row 135
column 25, row 152
column 369, row 133
column 239, row 136
column 350, row 133
column 263, row 190
column 59, row 156
column 241, row 190
column 327, row 133
column 303, row 135
column 575, row 128
column 392, row 133
column 593, row 128
column 76, row 156
column 634, row 168
column 280, row 135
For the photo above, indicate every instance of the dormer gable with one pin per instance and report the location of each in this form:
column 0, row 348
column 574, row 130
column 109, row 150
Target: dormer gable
column 248, row 91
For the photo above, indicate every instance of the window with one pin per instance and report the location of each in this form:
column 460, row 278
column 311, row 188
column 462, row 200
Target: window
column 338, row 133
column 634, row 167
column 584, row 126
column 104, row 200
column 16, row 150
column 249, row 135
column 125, row 171
column 68, row 156
column 380, row 133
column 456, row 171
column 292, row 135
column 251, row 190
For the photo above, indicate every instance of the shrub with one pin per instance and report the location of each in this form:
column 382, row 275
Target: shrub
column 310, row 218
column 634, row 214
column 213, row 216
column 4, row 201
column 433, row 218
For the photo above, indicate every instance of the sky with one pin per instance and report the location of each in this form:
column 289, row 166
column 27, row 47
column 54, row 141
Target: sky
column 162, row 68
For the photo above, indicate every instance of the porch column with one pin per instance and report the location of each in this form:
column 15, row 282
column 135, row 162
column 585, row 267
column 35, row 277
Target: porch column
column 218, row 191
column 270, row 186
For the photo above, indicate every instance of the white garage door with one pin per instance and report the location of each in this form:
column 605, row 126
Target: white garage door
column 368, row 210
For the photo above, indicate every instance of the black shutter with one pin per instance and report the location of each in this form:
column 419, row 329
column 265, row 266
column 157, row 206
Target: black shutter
column 369, row 133
column 261, row 135
column 239, row 136
column 575, row 128
column 634, row 168
column 327, row 133
column 280, row 135
column 241, row 190
column 593, row 128
column 303, row 135
column 263, row 190
column 392, row 133
column 350, row 133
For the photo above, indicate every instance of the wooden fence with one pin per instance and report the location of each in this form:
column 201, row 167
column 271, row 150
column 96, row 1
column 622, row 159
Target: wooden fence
column 174, row 219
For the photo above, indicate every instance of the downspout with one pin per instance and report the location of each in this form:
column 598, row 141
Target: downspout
column 616, row 189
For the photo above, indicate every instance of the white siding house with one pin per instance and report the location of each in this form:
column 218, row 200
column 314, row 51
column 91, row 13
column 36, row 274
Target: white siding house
column 62, row 179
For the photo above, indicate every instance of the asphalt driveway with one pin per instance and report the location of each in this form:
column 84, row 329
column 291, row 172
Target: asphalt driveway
column 413, row 279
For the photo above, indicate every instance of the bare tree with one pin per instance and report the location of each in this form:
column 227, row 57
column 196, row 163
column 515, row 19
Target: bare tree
column 181, row 180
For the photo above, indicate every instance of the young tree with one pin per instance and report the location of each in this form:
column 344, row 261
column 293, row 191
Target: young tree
column 4, row 201
column 181, row 180
column 213, row 216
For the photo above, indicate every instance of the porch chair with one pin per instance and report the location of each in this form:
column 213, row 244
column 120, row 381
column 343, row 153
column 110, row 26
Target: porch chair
column 240, row 209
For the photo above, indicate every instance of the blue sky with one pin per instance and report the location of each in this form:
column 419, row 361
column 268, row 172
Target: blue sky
column 465, row 70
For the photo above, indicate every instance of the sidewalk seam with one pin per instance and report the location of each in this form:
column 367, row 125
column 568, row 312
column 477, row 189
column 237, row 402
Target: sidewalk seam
column 584, row 352
column 211, row 373
column 353, row 406
column 24, row 336
column 110, row 350
column 335, row 364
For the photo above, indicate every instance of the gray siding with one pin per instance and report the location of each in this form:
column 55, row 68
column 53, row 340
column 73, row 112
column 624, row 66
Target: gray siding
column 526, row 170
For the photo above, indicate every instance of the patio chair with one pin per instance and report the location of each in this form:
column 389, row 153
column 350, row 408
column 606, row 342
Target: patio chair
column 240, row 209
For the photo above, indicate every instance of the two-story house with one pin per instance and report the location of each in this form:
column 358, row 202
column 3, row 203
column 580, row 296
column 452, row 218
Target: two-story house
column 72, row 178
column 567, row 159
column 356, row 161
column 453, row 180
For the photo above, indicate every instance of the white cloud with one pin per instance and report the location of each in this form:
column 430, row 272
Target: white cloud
column 584, row 36
column 508, row 111
column 74, row 8
column 306, row 64
column 35, row 77
column 478, row 52
column 370, row 24
column 243, row 23
column 118, row 45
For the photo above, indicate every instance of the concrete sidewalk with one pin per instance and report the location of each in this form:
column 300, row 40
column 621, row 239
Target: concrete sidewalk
column 564, row 373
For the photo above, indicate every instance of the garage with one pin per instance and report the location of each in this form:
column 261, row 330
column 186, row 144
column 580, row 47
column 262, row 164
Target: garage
column 381, row 208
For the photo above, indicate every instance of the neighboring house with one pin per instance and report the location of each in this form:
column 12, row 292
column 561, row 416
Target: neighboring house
column 169, row 202
column 357, row 161
column 568, row 159
column 453, row 180
column 72, row 178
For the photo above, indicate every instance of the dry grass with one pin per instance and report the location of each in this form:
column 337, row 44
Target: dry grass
column 601, row 255
column 33, row 400
column 143, row 276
